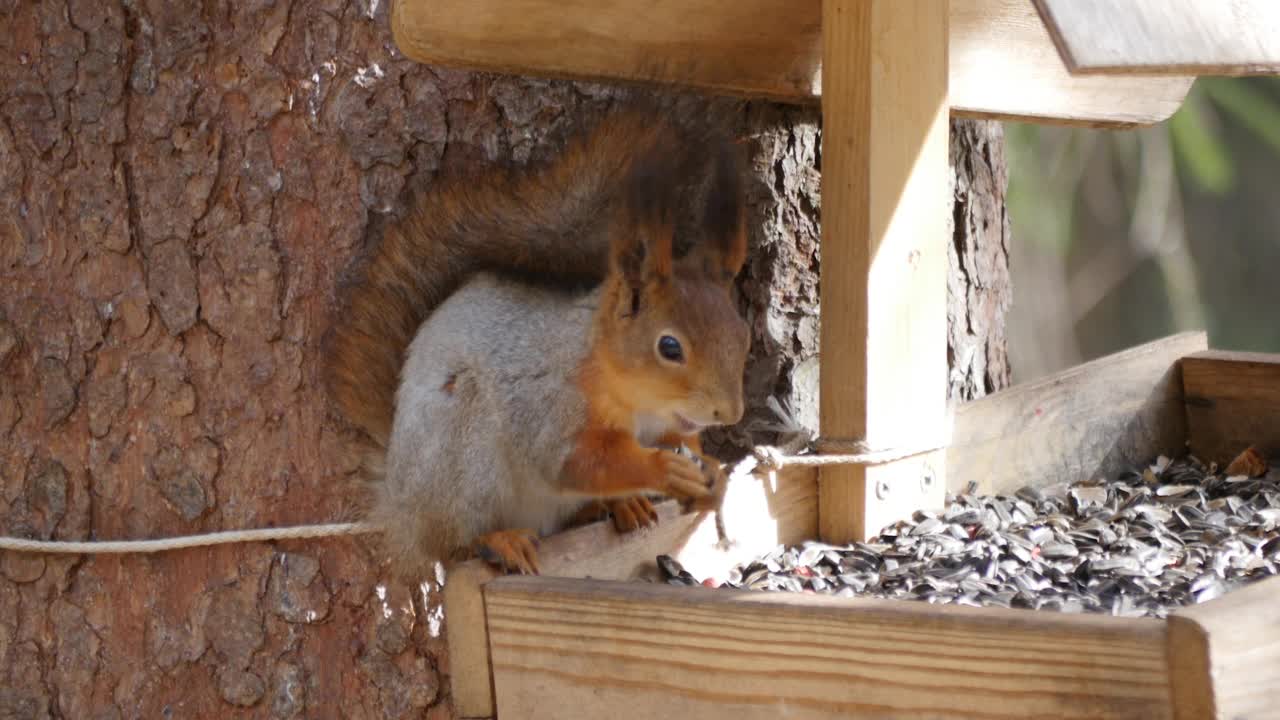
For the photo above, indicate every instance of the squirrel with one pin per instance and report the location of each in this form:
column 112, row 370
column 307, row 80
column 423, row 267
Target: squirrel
column 525, row 345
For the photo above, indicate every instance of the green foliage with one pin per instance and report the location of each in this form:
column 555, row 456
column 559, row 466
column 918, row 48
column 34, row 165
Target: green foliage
column 1194, row 132
column 1199, row 147
column 1065, row 182
column 1249, row 104
column 1196, row 128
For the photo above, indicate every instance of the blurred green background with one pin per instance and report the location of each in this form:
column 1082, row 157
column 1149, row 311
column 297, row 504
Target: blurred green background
column 1120, row 237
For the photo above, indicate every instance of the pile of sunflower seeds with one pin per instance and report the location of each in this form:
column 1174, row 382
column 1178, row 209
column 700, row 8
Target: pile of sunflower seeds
column 1174, row 534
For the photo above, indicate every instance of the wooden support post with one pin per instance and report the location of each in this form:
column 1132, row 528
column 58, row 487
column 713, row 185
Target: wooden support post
column 884, row 254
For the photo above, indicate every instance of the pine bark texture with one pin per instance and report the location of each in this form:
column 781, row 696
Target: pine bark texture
column 182, row 186
column 978, row 283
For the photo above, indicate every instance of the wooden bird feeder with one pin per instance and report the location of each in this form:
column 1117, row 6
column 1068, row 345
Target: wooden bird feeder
column 580, row 641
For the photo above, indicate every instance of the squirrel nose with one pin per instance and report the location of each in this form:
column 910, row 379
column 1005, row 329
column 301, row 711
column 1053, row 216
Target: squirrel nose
column 730, row 414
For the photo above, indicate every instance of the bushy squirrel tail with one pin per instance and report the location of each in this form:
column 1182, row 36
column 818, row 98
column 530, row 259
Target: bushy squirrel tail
column 546, row 224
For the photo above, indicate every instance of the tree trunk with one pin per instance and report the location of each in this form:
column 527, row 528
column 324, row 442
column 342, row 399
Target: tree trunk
column 978, row 284
column 181, row 187
column 780, row 282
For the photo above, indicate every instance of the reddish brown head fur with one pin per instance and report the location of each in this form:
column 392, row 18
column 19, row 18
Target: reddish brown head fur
column 669, row 342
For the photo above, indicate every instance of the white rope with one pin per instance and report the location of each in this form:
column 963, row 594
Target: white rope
column 766, row 456
column 817, row 452
column 840, row 452
column 98, row 547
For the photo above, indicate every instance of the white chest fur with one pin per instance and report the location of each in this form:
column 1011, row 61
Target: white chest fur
column 649, row 428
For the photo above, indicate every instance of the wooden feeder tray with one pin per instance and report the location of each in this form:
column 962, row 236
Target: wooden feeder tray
column 590, row 635
column 587, row 640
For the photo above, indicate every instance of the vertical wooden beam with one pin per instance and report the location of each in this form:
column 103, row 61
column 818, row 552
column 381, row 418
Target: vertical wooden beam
column 884, row 254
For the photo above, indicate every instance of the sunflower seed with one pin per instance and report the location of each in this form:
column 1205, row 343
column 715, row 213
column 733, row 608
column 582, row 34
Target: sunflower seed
column 1089, row 496
column 1150, row 540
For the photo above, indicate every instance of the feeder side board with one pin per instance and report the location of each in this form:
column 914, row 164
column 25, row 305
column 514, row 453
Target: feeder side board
column 1233, row 401
column 587, row 649
column 1092, row 420
column 884, row 256
column 1165, row 37
column 760, row 512
column 1004, row 64
column 1225, row 655
column 1189, row 661
column 471, row 683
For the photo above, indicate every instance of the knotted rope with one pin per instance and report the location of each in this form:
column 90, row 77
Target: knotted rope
column 839, row 452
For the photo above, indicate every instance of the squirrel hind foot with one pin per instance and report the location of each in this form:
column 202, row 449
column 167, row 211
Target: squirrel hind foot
column 511, row 551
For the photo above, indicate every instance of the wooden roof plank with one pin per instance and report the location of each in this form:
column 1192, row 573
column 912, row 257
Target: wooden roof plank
column 1165, row 37
column 1004, row 64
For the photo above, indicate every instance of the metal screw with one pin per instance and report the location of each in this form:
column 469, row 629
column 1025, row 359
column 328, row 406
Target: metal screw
column 882, row 489
column 927, row 479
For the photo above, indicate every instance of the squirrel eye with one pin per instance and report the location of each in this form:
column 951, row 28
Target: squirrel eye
column 669, row 348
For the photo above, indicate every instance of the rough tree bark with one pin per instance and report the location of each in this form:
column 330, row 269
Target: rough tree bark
column 181, row 186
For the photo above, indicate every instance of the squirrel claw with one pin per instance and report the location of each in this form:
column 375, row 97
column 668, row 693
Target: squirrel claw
column 682, row 478
column 513, row 551
column 717, row 482
column 632, row 513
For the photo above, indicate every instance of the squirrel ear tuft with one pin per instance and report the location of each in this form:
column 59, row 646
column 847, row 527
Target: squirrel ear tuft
column 644, row 234
column 724, row 246
column 642, row 254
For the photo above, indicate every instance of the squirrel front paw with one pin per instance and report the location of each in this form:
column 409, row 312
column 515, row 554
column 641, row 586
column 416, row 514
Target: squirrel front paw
column 716, row 480
column 513, row 551
column 632, row 513
column 680, row 477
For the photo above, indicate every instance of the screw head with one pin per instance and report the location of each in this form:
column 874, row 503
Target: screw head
column 882, row 489
column 927, row 479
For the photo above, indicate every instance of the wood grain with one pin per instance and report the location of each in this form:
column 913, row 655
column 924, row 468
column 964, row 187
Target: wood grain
column 586, row 649
column 1095, row 419
column 884, row 253
column 1165, row 37
column 470, row 681
column 1004, row 65
column 1003, row 62
column 1233, row 401
column 760, row 510
column 1225, row 655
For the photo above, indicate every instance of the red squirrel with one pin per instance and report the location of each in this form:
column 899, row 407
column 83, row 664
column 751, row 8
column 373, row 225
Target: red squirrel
column 525, row 344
